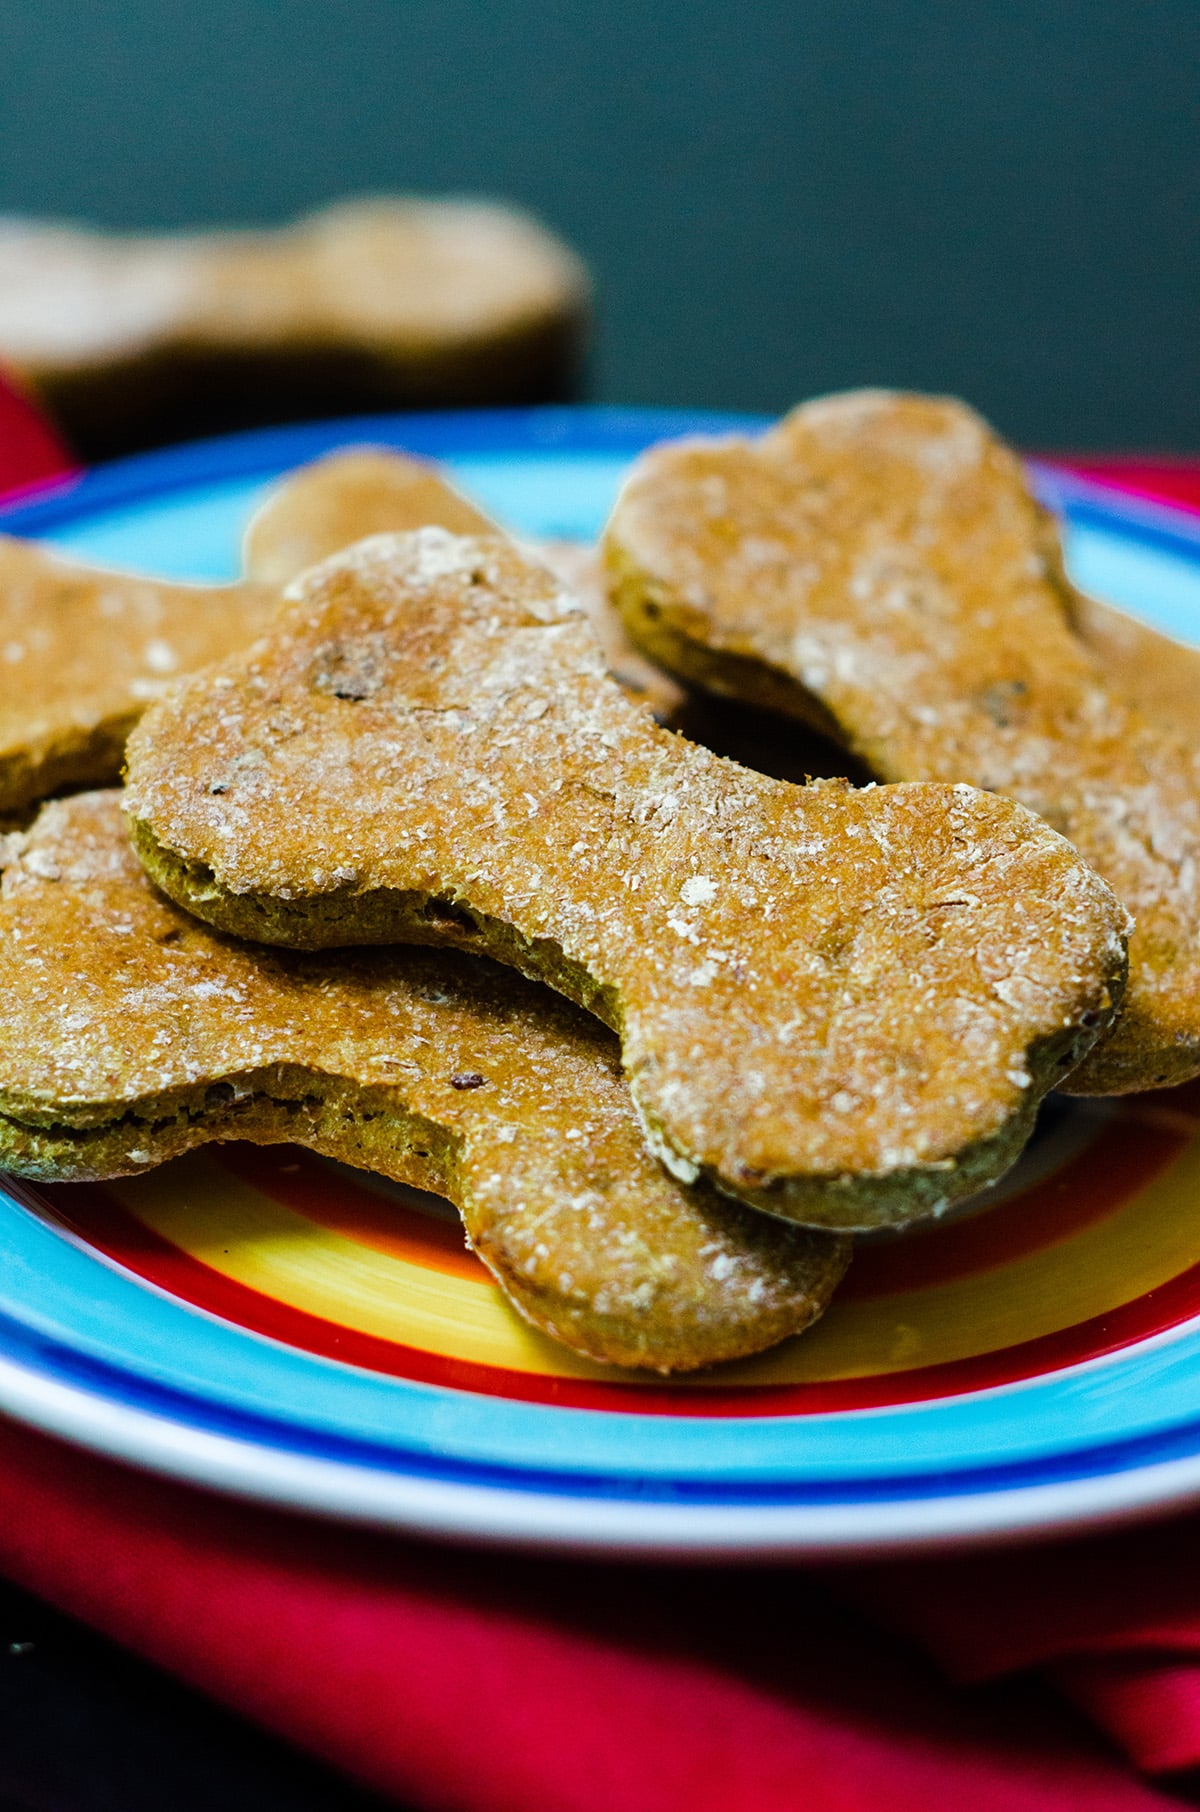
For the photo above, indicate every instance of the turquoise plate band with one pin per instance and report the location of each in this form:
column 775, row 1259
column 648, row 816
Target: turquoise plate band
column 76, row 1317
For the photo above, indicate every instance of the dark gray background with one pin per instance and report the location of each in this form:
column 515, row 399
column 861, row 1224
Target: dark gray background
column 997, row 199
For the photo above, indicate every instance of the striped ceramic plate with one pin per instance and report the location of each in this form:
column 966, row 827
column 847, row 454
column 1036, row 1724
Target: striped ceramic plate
column 275, row 1325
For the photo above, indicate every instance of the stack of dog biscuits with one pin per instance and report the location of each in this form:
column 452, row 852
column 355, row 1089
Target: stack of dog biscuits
column 877, row 565
column 425, row 747
column 435, row 1069
column 84, row 650
column 363, row 856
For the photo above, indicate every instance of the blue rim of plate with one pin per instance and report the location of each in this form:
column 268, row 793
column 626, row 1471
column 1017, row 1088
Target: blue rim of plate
column 89, row 1352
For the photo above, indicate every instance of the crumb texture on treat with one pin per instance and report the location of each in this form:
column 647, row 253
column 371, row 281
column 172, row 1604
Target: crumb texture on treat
column 132, row 1033
column 842, row 1006
column 1157, row 674
column 360, row 491
column 877, row 565
column 84, row 651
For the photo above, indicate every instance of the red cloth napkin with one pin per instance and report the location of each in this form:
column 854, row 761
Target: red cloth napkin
column 468, row 1682
column 1113, row 1621
column 493, row 1683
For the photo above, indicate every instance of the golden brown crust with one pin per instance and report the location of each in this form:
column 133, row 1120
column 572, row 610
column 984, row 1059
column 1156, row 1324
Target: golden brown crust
column 358, row 491
column 877, row 566
column 1157, row 674
column 83, row 651
column 580, row 569
column 842, row 1006
column 385, row 302
column 362, row 491
column 131, row 1033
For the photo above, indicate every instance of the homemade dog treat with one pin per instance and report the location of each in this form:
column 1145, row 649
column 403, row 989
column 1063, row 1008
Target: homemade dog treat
column 321, row 508
column 82, row 652
column 363, row 491
column 1153, row 671
column 876, row 566
column 131, row 1034
column 370, row 304
column 842, row 1006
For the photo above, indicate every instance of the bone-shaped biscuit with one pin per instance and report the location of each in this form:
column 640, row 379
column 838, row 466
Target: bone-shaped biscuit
column 842, row 1006
column 1157, row 674
column 388, row 302
column 362, row 491
column 877, row 565
column 83, row 651
column 343, row 497
column 131, row 1034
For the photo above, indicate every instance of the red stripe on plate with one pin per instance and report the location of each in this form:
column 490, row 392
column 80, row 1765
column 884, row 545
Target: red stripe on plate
column 107, row 1226
column 1094, row 1183
column 296, row 1180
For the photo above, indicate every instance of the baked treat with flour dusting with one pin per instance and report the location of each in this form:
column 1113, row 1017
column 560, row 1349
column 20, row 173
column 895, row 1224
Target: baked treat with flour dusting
column 877, row 567
column 360, row 491
column 1157, row 674
column 378, row 303
column 322, row 507
column 131, row 1034
column 841, row 1006
column 84, row 651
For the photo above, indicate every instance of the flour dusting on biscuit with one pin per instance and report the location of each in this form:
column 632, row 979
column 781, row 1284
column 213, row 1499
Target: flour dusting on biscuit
column 132, row 1034
column 842, row 1006
column 359, row 491
column 83, row 651
column 877, row 566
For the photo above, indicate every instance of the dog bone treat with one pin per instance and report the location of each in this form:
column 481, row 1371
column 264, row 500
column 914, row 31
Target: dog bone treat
column 384, row 303
column 131, row 1034
column 842, row 1006
column 363, row 491
column 358, row 491
column 1157, row 674
column 580, row 570
column 83, row 651
column 877, row 566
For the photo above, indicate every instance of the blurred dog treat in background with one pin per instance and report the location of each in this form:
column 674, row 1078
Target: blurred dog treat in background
column 388, row 303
